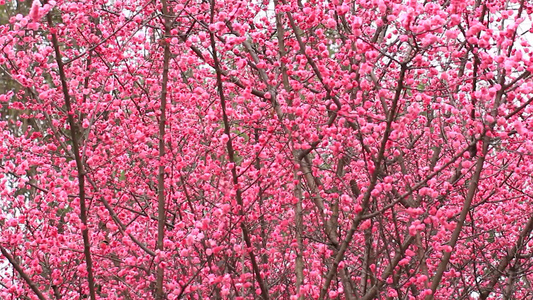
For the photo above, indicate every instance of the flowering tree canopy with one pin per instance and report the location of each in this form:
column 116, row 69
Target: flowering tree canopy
column 237, row 149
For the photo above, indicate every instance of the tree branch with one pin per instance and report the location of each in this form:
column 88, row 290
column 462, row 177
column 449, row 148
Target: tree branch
column 79, row 163
column 24, row 276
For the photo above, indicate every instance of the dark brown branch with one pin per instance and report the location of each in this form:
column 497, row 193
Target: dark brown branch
column 472, row 190
column 161, row 203
column 511, row 254
column 373, row 180
column 231, row 157
column 24, row 276
column 372, row 293
column 79, row 164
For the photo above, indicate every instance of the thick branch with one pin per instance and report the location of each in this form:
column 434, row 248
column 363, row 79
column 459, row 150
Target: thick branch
column 161, row 207
column 511, row 254
column 79, row 164
column 472, row 189
column 381, row 154
column 24, row 276
column 371, row 294
column 231, row 157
